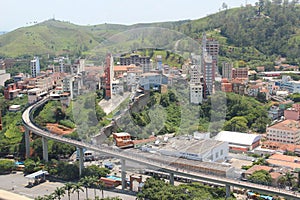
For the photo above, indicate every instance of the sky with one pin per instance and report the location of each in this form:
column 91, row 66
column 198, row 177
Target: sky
column 19, row 13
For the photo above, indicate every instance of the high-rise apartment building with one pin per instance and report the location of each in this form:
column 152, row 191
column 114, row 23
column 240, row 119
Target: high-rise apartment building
column 138, row 60
column 195, row 85
column 209, row 67
column 212, row 47
column 109, row 75
column 35, row 67
column 227, row 70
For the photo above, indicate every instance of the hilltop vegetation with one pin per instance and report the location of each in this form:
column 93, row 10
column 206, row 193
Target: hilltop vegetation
column 256, row 35
column 11, row 136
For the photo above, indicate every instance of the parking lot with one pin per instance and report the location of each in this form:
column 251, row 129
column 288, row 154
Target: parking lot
column 16, row 183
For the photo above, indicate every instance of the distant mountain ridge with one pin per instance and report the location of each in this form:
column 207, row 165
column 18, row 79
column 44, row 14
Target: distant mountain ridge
column 254, row 34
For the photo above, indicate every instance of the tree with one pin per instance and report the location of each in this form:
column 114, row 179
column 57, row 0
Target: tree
column 261, row 177
column 6, row 165
column 224, row 6
column 289, row 179
column 101, row 186
column 156, row 189
column 59, row 192
column 68, row 187
column 77, row 188
column 87, row 182
column 236, row 124
column 29, row 166
column 49, row 197
column 94, row 170
column 94, row 183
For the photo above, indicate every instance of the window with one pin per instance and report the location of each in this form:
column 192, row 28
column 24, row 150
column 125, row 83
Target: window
column 221, row 152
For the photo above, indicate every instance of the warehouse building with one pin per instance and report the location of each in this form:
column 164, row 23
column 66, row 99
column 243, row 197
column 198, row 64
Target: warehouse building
column 239, row 142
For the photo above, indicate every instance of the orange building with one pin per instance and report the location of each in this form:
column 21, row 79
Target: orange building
column 11, row 91
column 226, row 86
column 119, row 70
column 110, row 182
column 287, row 131
column 122, row 140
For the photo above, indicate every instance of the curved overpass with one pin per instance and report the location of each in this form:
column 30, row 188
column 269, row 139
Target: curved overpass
column 152, row 163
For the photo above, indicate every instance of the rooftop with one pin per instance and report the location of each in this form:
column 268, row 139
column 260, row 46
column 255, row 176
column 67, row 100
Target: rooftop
column 190, row 145
column 284, row 161
column 150, row 74
column 257, row 168
column 237, row 137
column 287, row 125
column 122, row 134
column 169, row 159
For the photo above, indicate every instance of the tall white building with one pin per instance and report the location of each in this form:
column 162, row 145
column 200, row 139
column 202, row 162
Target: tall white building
column 196, row 93
column 195, row 85
column 73, row 85
column 35, row 67
column 195, row 74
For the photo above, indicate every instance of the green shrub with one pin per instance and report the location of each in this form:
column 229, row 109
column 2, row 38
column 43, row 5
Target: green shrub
column 68, row 123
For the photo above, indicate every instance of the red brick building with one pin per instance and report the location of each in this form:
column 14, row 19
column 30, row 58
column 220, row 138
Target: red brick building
column 240, row 73
column 11, row 91
column 108, row 75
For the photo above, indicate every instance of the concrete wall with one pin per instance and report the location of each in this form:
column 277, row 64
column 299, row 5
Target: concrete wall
column 140, row 102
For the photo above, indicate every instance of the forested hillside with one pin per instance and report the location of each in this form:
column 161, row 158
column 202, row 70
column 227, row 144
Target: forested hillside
column 255, row 34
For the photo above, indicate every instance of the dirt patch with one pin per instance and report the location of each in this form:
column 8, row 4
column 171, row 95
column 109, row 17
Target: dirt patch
column 59, row 129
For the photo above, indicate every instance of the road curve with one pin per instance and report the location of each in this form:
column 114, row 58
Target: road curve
column 152, row 163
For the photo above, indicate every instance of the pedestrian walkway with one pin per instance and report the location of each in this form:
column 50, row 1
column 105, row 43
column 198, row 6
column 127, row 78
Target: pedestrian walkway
column 5, row 195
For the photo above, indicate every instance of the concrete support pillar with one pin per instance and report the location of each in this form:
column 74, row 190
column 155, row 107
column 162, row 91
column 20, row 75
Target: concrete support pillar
column 172, row 178
column 27, row 143
column 227, row 191
column 81, row 165
column 123, row 174
column 45, row 149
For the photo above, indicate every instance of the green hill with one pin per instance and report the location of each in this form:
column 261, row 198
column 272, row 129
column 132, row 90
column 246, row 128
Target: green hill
column 256, row 35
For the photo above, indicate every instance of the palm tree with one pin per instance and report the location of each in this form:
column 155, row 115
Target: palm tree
column 86, row 181
column 101, row 186
column 289, row 179
column 77, row 188
column 68, row 187
column 49, row 197
column 59, row 192
column 94, row 181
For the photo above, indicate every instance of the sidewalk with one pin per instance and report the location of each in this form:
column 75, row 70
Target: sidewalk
column 110, row 105
column 5, row 195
